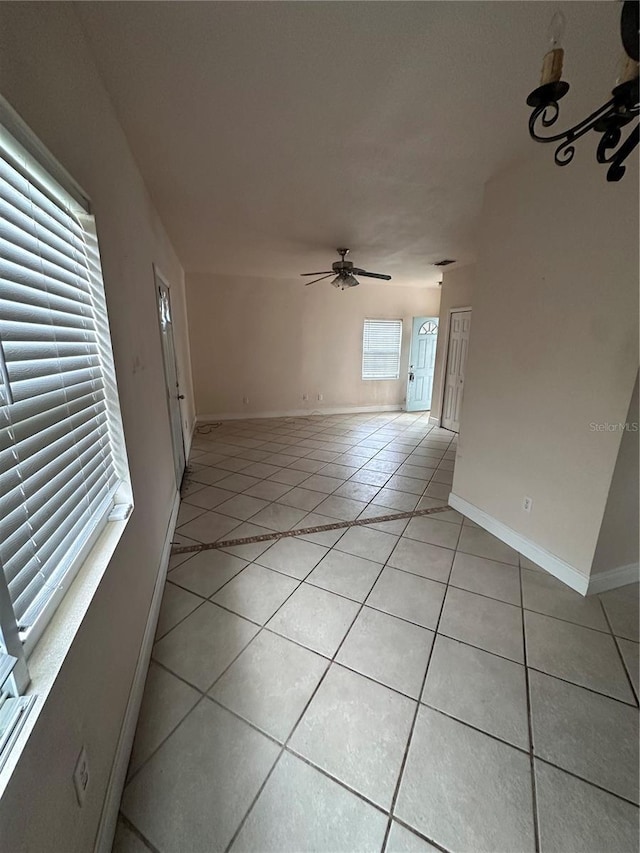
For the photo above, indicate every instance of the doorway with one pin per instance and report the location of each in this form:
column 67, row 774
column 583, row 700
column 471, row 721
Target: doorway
column 174, row 396
column 422, row 361
column 457, row 349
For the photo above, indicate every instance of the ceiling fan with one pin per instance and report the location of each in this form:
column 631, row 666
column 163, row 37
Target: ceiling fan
column 345, row 273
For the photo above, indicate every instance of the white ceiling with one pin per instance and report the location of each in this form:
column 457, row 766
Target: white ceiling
column 269, row 133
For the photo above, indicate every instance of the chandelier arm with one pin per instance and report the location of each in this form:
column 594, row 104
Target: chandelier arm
column 575, row 132
column 605, row 116
column 610, row 140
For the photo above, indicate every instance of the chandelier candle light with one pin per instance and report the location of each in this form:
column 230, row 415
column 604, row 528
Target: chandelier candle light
column 552, row 63
column 609, row 119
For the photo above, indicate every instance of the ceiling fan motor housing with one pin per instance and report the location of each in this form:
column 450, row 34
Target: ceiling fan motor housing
column 342, row 266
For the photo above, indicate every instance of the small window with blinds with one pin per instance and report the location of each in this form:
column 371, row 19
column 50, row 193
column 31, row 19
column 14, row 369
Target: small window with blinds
column 381, row 346
column 63, row 467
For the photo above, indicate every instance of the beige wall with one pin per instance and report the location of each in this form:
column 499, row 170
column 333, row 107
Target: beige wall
column 47, row 75
column 456, row 292
column 618, row 540
column 273, row 340
column 554, row 347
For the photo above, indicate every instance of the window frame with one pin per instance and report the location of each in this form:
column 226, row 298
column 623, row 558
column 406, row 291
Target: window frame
column 383, row 353
column 21, row 689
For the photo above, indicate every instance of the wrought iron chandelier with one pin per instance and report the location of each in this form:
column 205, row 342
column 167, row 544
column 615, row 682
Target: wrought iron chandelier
column 610, row 119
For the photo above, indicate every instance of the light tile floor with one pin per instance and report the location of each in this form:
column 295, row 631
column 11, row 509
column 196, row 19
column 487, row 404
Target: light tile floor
column 404, row 686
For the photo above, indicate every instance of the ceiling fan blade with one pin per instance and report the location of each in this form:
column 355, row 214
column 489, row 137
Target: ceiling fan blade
column 322, row 272
column 307, row 283
column 372, row 274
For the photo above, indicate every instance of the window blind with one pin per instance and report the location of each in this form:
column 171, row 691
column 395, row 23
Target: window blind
column 58, row 471
column 382, row 341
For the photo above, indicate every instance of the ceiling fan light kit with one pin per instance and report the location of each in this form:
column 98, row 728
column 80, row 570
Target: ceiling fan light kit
column 609, row 119
column 345, row 273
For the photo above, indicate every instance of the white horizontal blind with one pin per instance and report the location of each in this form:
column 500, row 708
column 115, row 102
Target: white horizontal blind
column 58, row 476
column 382, row 340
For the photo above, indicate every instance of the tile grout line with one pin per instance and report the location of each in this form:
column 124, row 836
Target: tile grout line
column 620, row 655
column 134, row 829
column 417, row 832
column 475, row 728
column 157, row 637
column 589, row 782
column 417, row 709
column 582, row 687
column 130, row 777
column 532, row 770
column 291, row 751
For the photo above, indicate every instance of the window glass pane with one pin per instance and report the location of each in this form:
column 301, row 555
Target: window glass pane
column 382, row 340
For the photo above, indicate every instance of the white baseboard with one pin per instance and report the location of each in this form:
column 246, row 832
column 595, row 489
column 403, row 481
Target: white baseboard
column 109, row 817
column 613, row 578
column 434, row 421
column 557, row 567
column 296, row 413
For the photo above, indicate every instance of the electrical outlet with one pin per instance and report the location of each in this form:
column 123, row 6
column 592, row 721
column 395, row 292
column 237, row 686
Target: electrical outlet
column 305, row 397
column 527, row 503
column 81, row 776
column 245, row 400
column 320, row 398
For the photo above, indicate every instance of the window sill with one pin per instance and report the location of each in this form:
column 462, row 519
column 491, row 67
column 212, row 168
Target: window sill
column 48, row 655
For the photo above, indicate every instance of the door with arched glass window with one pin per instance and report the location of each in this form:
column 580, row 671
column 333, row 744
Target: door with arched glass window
column 422, row 361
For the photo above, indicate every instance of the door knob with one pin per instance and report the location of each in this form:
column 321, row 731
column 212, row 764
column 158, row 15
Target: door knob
column 180, row 396
column 411, row 377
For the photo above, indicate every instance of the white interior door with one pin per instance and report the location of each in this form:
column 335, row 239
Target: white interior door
column 171, row 376
column 421, row 363
column 459, row 329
